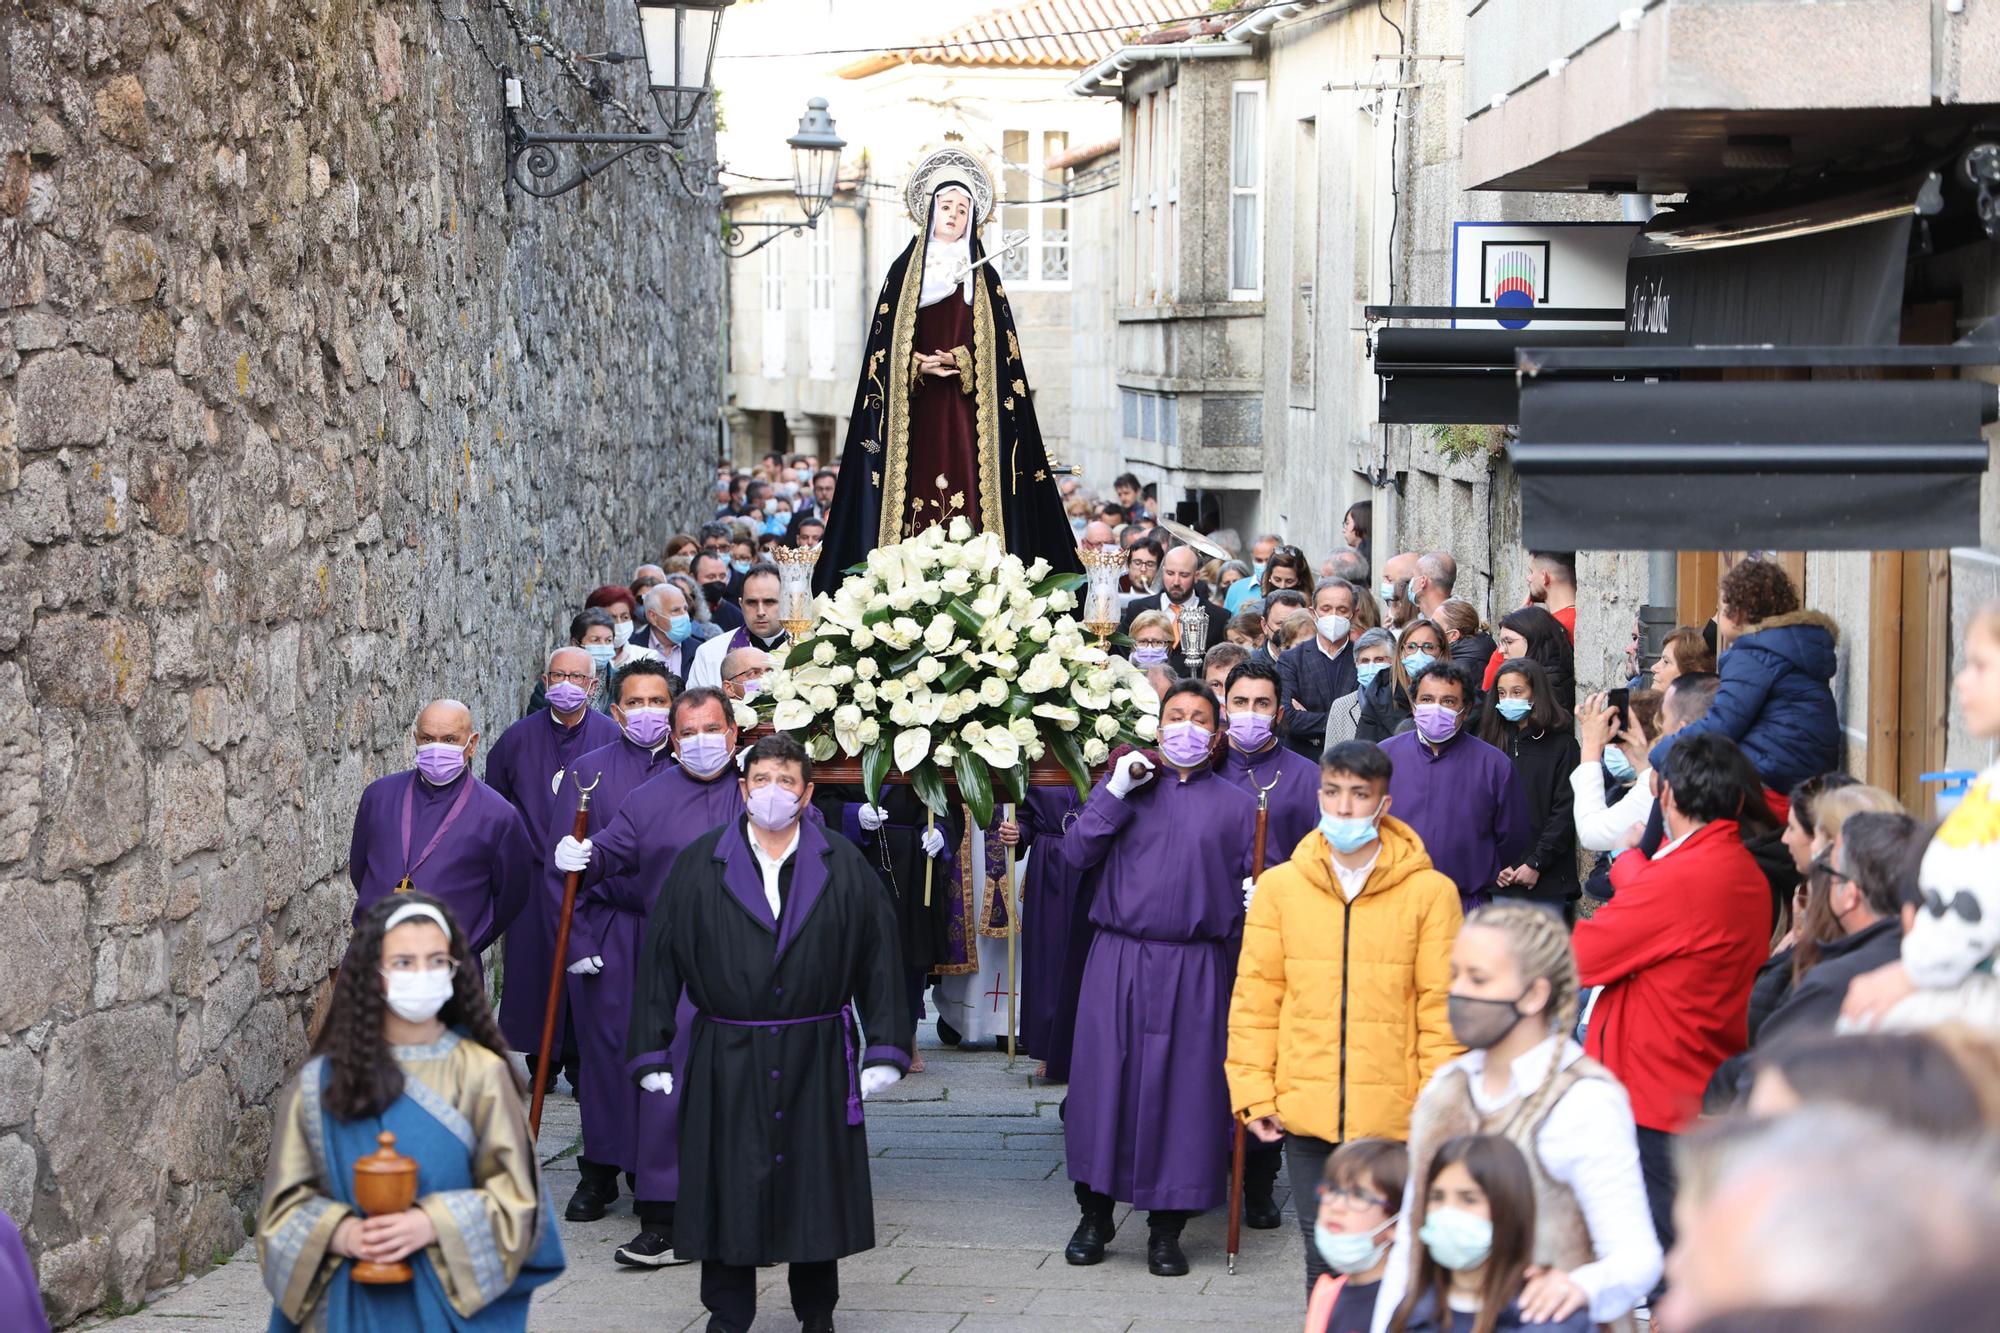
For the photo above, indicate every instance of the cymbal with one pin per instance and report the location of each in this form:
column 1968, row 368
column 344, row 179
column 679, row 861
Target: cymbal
column 1187, row 534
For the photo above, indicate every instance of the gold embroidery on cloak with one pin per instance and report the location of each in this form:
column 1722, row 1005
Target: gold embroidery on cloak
column 987, row 415
column 896, row 412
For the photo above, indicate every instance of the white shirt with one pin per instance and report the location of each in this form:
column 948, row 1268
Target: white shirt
column 1598, row 829
column 1353, row 881
column 707, row 668
column 771, row 865
column 1586, row 1142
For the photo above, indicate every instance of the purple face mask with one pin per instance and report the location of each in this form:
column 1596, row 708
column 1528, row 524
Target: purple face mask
column 772, row 807
column 1149, row 655
column 646, row 727
column 704, row 754
column 1251, row 731
column 567, row 696
column 1185, row 744
column 440, row 763
column 1435, row 723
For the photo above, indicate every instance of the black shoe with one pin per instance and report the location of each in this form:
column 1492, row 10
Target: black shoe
column 1164, row 1257
column 648, row 1249
column 1262, row 1213
column 948, row 1034
column 1086, row 1245
column 819, row 1323
column 591, row 1199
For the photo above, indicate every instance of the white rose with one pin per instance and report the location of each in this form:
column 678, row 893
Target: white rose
column 892, row 690
column 863, row 638
column 1105, row 726
column 961, row 528
column 1038, row 571
column 945, row 753
column 823, row 698
column 949, row 711
column 1023, row 729
column 865, row 669
column 1035, row 749
column 870, row 732
column 864, row 694
column 951, row 557
column 958, row 582
column 841, row 675
column 1062, row 601
column 1147, row 726
column 781, row 687
column 1095, row 752
column 744, row 714
column 993, row 691
column 911, row 747
column 940, row 633
column 929, row 669
column 878, row 602
column 902, row 713
column 903, row 598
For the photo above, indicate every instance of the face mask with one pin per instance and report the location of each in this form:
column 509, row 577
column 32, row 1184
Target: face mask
column 678, row 628
column 1388, row 591
column 1616, row 764
column 1349, row 835
column 1185, row 744
column 1479, row 1023
column 1350, row 1252
column 416, row 997
column 646, row 727
column 621, row 633
column 740, row 566
column 1257, row 572
column 601, row 654
column 1435, row 723
column 750, row 686
column 1416, row 662
column 776, row 524
column 772, row 807
column 704, row 754
column 715, row 592
column 1333, row 629
column 1367, row 672
column 1252, row 731
column 1514, row 709
column 440, row 763
column 1146, row 655
column 1457, row 1240
column 566, row 696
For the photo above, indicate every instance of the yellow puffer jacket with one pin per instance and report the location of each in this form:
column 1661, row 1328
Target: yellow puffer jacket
column 1319, row 976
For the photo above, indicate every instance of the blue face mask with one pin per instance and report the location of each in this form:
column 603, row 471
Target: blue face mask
column 1416, row 662
column 1456, row 1239
column 601, row 653
column 1617, row 765
column 1350, row 835
column 679, row 627
column 740, row 566
column 1367, row 671
column 777, row 524
column 1514, row 709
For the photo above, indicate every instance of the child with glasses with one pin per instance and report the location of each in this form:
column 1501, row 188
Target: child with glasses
column 1359, row 1202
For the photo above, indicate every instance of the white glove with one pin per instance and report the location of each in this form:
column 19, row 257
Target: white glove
column 933, row 842
column 586, row 967
column 872, row 817
column 571, row 854
column 1122, row 783
column 877, row 1077
column 1249, row 891
column 661, row 1083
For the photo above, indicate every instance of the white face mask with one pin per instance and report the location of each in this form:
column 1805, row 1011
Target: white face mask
column 1334, row 628
column 417, row 996
column 621, row 633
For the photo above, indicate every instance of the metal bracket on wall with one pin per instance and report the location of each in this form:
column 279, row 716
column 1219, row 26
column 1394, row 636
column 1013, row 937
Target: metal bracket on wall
column 533, row 156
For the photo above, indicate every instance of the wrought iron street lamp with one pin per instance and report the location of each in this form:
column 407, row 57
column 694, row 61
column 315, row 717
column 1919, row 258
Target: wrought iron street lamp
column 815, row 179
column 680, row 54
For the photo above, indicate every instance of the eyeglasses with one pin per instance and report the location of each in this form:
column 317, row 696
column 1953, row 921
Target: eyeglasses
column 571, row 677
column 1349, row 1200
column 404, row 965
column 1961, row 902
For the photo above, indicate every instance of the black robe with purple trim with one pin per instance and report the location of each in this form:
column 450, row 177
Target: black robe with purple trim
column 773, row 1155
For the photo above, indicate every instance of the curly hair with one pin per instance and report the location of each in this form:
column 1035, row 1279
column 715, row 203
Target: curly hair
column 1755, row 590
column 363, row 1078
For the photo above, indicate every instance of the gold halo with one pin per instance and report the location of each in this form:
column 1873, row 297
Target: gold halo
column 948, row 164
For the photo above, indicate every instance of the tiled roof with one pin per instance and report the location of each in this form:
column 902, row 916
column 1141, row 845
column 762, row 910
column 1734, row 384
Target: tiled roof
column 1042, row 34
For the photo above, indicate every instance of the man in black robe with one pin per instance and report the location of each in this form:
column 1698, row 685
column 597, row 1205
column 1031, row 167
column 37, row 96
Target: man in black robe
column 777, row 931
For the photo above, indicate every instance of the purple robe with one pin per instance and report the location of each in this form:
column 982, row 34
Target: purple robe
column 1051, row 926
column 601, row 1005
column 526, row 765
column 1148, row 1115
column 1294, row 801
column 20, row 1298
column 1467, row 804
column 483, row 869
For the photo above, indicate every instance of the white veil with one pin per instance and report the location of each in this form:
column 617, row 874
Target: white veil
column 947, row 264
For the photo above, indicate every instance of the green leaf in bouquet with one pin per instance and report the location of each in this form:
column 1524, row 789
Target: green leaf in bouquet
column 950, row 681
column 882, row 617
column 897, row 666
column 928, row 783
column 1122, row 640
column 875, row 762
column 1019, row 705
column 1069, row 754
column 1017, row 780
column 975, row 785
column 1059, row 583
column 968, row 620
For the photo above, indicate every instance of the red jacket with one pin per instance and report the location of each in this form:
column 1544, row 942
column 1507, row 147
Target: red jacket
column 1676, row 951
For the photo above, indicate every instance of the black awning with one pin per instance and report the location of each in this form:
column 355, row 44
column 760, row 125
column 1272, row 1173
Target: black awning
column 1466, row 376
column 1797, row 465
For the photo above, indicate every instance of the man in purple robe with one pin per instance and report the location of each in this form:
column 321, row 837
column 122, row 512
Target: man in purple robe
column 1459, row 794
column 1148, row 1117
column 20, row 1297
column 526, row 765
column 437, row 829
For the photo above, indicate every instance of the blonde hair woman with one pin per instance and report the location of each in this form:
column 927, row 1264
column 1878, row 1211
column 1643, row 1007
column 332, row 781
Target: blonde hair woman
column 1513, row 1002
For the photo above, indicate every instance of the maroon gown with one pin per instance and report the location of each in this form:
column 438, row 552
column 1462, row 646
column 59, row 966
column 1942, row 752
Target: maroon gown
column 944, row 435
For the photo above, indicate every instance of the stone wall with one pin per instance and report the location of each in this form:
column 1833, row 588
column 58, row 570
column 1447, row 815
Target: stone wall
column 303, row 418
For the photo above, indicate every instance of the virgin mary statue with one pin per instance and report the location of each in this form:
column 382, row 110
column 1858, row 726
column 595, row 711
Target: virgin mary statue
column 943, row 425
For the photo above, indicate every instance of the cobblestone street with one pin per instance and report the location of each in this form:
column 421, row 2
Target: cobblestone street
column 972, row 1210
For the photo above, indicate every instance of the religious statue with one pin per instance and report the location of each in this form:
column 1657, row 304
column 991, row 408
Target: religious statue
column 943, row 424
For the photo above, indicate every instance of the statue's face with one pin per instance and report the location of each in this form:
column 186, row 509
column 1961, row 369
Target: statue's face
column 953, row 213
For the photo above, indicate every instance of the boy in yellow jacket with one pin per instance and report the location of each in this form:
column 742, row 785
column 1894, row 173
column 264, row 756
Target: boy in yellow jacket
column 1338, row 1016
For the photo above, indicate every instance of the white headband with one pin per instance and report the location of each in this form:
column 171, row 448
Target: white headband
column 408, row 910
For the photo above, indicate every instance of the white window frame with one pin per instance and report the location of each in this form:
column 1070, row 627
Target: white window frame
column 1022, row 268
column 821, row 352
column 1255, row 90
column 771, row 291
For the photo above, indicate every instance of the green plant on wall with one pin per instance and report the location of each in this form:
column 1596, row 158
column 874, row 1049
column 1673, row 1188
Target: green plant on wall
column 1464, row 443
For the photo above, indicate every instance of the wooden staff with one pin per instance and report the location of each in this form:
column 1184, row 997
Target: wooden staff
column 1013, row 934
column 1236, row 1150
column 930, row 822
column 580, row 830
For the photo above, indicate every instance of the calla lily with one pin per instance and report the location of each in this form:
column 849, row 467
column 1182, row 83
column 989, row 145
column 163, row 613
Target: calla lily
column 912, row 747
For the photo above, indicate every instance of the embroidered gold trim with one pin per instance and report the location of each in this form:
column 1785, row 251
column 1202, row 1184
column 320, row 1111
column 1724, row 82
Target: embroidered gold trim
column 987, row 414
column 896, row 411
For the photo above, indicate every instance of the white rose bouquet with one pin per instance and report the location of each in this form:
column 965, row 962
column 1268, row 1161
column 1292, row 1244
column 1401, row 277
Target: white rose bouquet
column 945, row 654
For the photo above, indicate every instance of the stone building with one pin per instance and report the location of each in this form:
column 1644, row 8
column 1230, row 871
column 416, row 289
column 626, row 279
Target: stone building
column 305, row 417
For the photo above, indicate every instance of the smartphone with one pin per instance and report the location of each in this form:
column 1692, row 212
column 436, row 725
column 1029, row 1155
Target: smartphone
column 1621, row 700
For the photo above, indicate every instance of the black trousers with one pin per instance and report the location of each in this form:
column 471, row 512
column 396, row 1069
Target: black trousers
column 1305, row 1162
column 1656, row 1165
column 729, row 1292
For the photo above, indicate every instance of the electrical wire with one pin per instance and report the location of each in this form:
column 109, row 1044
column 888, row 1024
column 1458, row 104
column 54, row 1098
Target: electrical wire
column 1242, row 12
